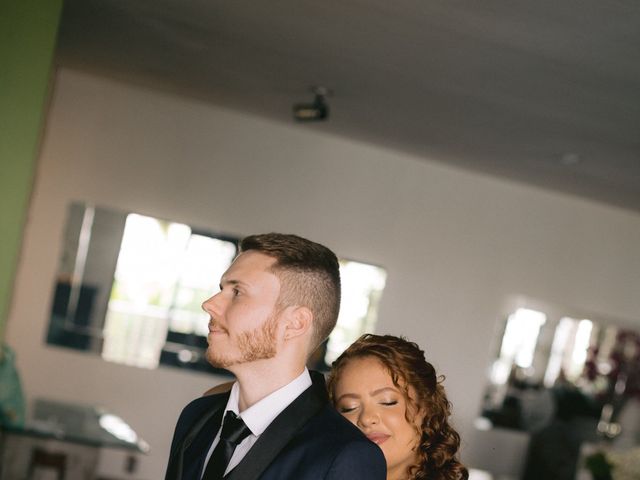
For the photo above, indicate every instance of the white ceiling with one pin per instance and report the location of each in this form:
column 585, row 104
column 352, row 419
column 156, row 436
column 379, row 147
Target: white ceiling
column 506, row 87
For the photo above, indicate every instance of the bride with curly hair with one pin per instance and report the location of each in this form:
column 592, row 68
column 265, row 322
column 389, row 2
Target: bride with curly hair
column 384, row 386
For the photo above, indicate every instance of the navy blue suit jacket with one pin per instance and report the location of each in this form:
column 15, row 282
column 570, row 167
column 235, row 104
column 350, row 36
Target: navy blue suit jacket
column 309, row 440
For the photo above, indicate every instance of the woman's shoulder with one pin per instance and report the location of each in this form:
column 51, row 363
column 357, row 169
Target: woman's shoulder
column 222, row 388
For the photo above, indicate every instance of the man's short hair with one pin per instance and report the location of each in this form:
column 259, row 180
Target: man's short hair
column 309, row 275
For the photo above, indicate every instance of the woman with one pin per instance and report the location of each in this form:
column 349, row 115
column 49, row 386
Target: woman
column 384, row 386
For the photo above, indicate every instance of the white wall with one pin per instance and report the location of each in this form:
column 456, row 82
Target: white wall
column 457, row 246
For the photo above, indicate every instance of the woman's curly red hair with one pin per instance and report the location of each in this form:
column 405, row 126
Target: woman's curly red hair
column 409, row 371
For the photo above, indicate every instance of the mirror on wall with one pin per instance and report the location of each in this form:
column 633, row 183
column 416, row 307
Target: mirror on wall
column 565, row 380
column 129, row 287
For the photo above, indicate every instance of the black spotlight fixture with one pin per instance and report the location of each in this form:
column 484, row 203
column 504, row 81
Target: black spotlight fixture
column 316, row 110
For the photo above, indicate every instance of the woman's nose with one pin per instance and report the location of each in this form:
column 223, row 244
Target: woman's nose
column 368, row 417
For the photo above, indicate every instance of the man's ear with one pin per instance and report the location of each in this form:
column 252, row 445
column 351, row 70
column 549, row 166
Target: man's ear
column 299, row 322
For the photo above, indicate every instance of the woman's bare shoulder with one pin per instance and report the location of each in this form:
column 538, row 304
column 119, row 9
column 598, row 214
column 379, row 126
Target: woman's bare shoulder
column 222, row 388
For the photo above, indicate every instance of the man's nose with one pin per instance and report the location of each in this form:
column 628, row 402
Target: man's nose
column 212, row 305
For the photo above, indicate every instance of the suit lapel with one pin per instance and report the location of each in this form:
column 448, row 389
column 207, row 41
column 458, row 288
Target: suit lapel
column 281, row 431
column 214, row 409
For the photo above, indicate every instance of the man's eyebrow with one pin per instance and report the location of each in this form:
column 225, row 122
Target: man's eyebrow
column 229, row 281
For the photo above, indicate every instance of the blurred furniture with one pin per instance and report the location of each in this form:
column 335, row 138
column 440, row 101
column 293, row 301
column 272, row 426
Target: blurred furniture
column 62, row 441
column 498, row 451
column 475, row 474
column 43, row 463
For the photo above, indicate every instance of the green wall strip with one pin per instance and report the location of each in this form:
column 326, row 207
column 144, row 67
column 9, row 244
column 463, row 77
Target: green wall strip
column 28, row 31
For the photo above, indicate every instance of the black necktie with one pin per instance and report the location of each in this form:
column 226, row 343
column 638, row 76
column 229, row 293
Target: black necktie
column 233, row 432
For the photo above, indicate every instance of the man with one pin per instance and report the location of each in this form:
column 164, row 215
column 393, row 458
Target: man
column 277, row 302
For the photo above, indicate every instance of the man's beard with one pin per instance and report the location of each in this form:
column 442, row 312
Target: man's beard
column 253, row 345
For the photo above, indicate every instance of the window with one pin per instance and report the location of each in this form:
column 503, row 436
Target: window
column 362, row 287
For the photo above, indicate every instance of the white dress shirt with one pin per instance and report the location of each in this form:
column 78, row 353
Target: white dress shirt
column 259, row 416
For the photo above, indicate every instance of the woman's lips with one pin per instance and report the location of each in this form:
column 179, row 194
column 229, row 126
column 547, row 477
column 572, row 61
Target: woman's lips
column 378, row 438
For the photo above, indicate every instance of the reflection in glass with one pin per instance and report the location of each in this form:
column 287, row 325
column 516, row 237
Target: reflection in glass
column 518, row 343
column 205, row 260
column 130, row 288
column 565, row 381
column 163, row 273
column 569, row 350
column 362, row 287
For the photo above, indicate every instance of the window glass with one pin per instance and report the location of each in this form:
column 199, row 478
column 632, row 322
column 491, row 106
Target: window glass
column 362, row 287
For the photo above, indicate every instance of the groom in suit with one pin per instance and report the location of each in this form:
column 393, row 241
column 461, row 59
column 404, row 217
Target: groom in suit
column 278, row 301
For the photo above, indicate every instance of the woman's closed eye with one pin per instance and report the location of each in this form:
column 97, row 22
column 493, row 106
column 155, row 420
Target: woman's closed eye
column 347, row 408
column 389, row 403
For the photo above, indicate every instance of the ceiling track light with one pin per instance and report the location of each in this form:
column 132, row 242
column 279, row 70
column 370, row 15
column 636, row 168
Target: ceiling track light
column 315, row 111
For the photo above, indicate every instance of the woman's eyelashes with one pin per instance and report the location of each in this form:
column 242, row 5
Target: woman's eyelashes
column 347, row 408
column 388, row 399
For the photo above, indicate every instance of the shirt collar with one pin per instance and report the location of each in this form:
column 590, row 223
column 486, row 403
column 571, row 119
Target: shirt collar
column 260, row 415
